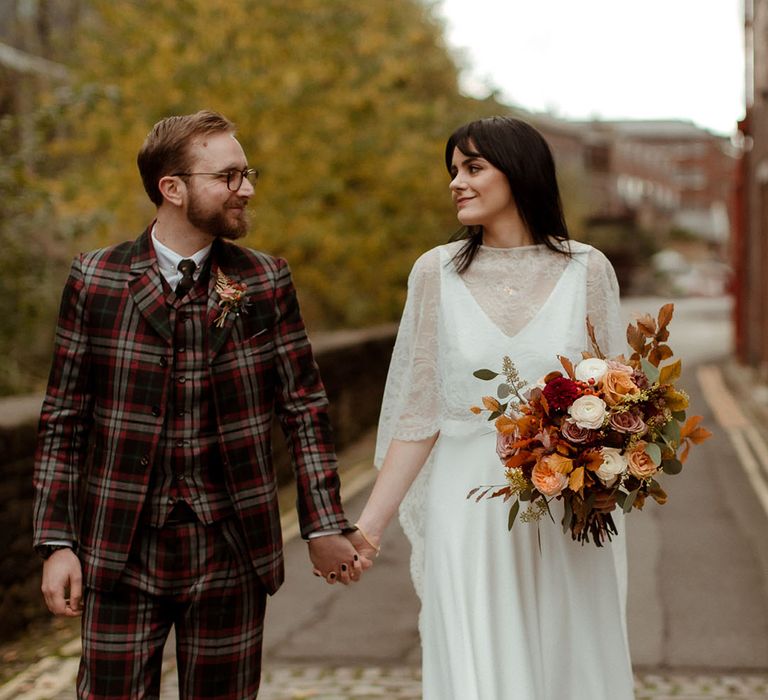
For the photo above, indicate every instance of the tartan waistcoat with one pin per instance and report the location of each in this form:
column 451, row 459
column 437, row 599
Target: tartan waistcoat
column 187, row 464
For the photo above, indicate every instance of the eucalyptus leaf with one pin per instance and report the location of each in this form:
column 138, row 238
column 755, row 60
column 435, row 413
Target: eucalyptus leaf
column 621, row 497
column 525, row 495
column 486, row 374
column 651, row 371
column 672, row 466
column 679, row 416
column 503, row 391
column 629, row 500
column 513, row 511
column 672, row 432
column 654, row 452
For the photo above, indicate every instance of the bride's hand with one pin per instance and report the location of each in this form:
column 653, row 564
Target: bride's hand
column 366, row 547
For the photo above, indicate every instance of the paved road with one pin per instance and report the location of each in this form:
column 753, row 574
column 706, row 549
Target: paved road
column 698, row 602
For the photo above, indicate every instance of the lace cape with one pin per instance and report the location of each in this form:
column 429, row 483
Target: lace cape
column 510, row 285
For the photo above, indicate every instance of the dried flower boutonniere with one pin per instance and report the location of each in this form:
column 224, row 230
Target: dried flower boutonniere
column 231, row 297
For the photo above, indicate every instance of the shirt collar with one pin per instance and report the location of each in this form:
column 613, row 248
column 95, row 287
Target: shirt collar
column 169, row 260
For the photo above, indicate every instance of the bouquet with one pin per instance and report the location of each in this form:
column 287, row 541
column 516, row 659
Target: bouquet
column 594, row 435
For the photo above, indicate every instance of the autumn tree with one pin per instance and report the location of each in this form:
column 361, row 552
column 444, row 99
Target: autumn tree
column 343, row 106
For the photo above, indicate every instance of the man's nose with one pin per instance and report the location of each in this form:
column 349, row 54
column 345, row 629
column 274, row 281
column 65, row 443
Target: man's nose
column 246, row 188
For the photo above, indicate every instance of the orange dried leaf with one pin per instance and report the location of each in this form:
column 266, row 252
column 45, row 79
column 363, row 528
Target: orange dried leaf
column 635, row 339
column 665, row 315
column 675, row 400
column 699, row 435
column 684, row 452
column 593, row 460
column 552, row 375
column 593, row 340
column 670, row 373
column 505, row 425
column 567, row 365
column 518, row 460
column 646, row 324
column 689, row 426
column 491, row 404
column 561, row 464
column 476, row 409
column 576, row 480
column 658, row 494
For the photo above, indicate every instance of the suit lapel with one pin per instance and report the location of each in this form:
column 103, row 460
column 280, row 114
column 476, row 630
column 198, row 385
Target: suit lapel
column 146, row 286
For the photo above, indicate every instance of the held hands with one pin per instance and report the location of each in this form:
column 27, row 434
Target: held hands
column 335, row 559
column 62, row 574
column 342, row 558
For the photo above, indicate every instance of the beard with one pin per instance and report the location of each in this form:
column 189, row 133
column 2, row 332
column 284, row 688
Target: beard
column 229, row 222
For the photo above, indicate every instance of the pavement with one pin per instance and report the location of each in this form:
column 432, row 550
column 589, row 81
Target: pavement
column 698, row 598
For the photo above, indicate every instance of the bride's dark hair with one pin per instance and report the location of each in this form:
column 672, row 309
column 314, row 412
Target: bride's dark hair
column 521, row 153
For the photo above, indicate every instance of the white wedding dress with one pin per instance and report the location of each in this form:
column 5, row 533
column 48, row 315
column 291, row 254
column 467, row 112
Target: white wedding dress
column 522, row 615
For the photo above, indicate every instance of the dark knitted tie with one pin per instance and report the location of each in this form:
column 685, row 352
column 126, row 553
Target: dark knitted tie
column 187, row 268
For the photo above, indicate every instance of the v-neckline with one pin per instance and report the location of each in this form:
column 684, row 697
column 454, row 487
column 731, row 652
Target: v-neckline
column 531, row 320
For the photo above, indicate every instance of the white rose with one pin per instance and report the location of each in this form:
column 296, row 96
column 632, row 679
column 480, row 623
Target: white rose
column 587, row 411
column 591, row 368
column 614, row 464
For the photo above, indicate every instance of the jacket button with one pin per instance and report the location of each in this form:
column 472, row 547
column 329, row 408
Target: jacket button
column 156, row 411
column 145, row 460
column 163, row 362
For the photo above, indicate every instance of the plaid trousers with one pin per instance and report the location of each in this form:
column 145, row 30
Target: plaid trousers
column 197, row 578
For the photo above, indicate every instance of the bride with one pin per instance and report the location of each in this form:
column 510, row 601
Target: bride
column 527, row 614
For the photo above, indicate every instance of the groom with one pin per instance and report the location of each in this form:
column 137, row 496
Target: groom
column 156, row 498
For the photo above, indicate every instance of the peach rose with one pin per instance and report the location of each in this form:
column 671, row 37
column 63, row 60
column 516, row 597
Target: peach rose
column 547, row 480
column 617, row 383
column 640, row 463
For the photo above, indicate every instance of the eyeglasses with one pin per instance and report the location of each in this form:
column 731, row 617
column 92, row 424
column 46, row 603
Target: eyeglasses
column 234, row 177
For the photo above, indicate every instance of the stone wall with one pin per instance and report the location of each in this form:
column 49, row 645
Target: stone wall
column 354, row 368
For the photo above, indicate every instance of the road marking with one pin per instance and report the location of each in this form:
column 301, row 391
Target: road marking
column 746, row 439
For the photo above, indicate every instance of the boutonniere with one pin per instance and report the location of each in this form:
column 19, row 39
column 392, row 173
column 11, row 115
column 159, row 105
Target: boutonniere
column 231, row 297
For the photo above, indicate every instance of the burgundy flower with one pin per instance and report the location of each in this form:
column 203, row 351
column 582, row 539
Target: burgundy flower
column 627, row 422
column 561, row 392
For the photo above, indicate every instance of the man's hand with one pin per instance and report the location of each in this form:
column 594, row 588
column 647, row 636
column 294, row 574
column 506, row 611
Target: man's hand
column 335, row 559
column 62, row 574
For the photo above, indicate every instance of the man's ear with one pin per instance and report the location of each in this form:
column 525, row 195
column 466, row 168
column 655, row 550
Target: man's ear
column 173, row 189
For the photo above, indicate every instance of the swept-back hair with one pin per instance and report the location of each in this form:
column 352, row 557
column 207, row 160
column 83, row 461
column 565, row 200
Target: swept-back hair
column 521, row 153
column 166, row 148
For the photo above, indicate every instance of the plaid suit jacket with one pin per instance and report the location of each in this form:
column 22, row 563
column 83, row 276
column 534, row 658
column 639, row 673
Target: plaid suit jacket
column 111, row 371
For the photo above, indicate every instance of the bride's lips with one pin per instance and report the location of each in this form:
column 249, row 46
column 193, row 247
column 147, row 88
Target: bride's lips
column 463, row 201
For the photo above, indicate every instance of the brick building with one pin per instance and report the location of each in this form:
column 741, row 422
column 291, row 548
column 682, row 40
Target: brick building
column 750, row 250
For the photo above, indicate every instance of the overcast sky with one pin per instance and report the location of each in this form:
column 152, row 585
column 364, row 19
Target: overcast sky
column 649, row 59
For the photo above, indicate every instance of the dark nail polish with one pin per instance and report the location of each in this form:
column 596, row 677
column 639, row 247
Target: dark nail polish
column 331, row 575
column 343, row 567
column 357, row 558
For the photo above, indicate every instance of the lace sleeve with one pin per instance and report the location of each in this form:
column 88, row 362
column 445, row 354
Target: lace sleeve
column 410, row 407
column 603, row 305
